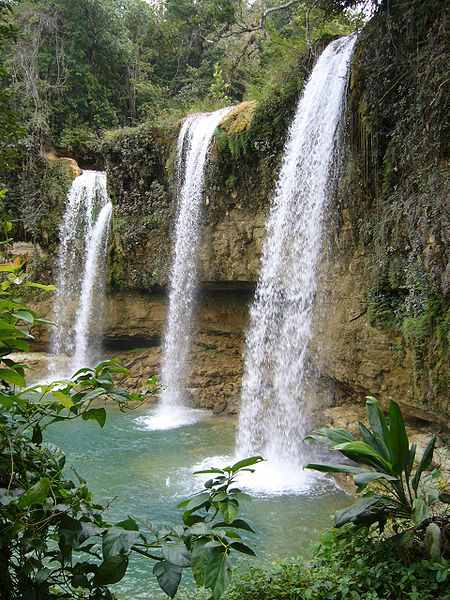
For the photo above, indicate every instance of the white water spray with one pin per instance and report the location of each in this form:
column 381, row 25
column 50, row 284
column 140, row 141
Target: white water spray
column 95, row 252
column 80, row 271
column 273, row 412
column 193, row 147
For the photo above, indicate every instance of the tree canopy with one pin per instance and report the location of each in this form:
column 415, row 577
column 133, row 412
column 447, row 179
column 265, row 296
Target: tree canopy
column 78, row 68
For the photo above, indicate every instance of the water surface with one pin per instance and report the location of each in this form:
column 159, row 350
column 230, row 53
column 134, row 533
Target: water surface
column 147, row 472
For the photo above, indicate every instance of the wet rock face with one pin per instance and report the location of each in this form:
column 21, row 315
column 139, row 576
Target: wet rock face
column 382, row 317
column 142, row 182
column 351, row 349
column 137, row 320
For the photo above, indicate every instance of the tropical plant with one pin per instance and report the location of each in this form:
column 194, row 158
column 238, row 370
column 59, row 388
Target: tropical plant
column 212, row 526
column 45, row 519
column 55, row 541
column 382, row 464
column 348, row 564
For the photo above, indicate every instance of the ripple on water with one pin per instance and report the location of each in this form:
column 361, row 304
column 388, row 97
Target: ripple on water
column 147, row 472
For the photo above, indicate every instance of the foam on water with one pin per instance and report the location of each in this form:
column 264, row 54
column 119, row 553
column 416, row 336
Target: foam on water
column 161, row 419
column 273, row 478
column 194, row 142
column 274, row 406
column 82, row 255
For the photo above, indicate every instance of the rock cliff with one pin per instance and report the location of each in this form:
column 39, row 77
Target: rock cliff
column 383, row 302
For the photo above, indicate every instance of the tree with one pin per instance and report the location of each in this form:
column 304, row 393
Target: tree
column 10, row 127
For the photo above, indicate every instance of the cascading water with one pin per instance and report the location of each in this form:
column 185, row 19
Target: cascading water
column 273, row 412
column 80, row 271
column 193, row 146
column 95, row 254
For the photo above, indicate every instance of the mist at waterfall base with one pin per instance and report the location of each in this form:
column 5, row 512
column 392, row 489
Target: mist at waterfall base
column 80, row 285
column 146, row 474
column 274, row 407
column 193, row 148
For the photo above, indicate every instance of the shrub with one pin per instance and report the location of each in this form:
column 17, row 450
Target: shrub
column 348, row 565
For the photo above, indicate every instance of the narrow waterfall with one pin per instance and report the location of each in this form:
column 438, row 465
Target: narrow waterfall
column 92, row 283
column 273, row 412
column 80, row 272
column 192, row 153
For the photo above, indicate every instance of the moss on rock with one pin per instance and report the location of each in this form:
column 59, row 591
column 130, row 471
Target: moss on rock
column 398, row 178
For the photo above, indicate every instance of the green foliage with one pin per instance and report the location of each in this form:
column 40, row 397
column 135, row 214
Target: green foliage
column 399, row 151
column 54, row 539
column 403, row 493
column 79, row 141
column 212, row 532
column 45, row 519
column 218, row 88
column 10, row 125
column 348, row 565
column 37, row 201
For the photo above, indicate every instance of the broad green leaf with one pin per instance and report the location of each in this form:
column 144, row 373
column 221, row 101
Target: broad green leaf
column 412, row 457
column 199, row 559
column 363, row 453
column 176, row 554
column 195, row 502
column 111, row 570
column 219, row 496
column 246, row 462
column 117, row 541
column 329, row 468
column 240, row 547
column 24, row 315
column 217, row 571
column 229, row 509
column 129, row 524
column 92, row 394
column 209, row 472
column 7, row 401
column 11, row 376
column 189, row 519
column 82, row 373
column 168, row 576
column 362, row 479
column 95, row 414
column 197, row 528
column 375, row 441
column 36, row 494
column 42, row 575
column 398, row 439
column 237, row 524
column 64, row 399
column 425, row 462
column 377, row 420
column 363, row 511
column 229, row 533
column 331, row 435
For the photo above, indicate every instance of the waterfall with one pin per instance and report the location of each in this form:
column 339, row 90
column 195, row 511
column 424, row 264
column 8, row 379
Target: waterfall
column 96, row 250
column 273, row 406
column 80, row 272
column 193, row 147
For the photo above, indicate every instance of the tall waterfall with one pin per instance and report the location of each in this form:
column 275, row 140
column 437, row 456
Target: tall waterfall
column 273, row 413
column 192, row 153
column 80, row 271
